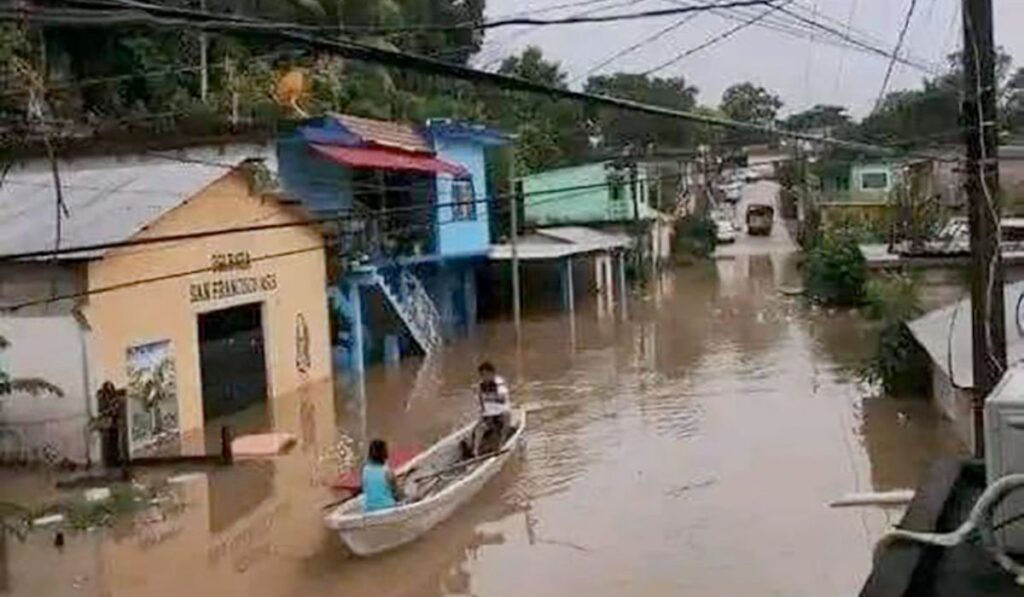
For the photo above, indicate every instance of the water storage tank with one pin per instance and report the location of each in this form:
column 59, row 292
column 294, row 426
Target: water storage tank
column 1004, row 450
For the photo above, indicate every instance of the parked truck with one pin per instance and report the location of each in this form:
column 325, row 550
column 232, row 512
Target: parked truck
column 759, row 219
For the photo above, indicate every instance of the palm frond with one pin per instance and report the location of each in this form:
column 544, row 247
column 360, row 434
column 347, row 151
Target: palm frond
column 29, row 385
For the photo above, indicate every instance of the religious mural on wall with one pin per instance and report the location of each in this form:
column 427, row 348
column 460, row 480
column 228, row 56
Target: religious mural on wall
column 152, row 395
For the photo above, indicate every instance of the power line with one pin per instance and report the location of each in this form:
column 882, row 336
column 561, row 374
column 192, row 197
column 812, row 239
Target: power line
column 483, row 25
column 788, row 25
column 636, row 46
column 842, row 35
column 339, row 218
column 895, row 53
column 842, row 57
column 498, row 57
column 716, row 39
column 399, row 59
column 164, row 277
column 557, row 7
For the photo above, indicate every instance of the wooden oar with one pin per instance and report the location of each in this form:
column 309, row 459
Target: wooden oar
column 437, row 473
column 463, row 464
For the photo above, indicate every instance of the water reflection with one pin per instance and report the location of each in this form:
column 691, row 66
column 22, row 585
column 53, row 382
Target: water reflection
column 909, row 427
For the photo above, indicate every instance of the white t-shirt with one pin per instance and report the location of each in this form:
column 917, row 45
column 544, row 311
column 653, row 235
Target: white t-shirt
column 494, row 403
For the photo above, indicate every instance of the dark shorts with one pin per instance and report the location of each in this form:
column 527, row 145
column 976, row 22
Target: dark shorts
column 493, row 429
column 495, row 422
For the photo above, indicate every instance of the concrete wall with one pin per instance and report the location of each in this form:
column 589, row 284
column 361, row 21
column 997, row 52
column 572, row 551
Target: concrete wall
column 955, row 404
column 545, row 206
column 53, row 348
column 452, row 286
column 319, row 183
column 589, row 205
column 853, row 191
column 1011, row 181
column 289, row 285
column 470, row 236
column 21, row 283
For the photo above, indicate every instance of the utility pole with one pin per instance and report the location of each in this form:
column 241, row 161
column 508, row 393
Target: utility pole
column 988, row 331
column 204, row 79
column 638, row 236
column 513, row 233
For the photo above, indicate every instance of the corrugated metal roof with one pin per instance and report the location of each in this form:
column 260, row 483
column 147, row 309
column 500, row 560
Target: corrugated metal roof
column 386, row 133
column 559, row 242
column 581, row 235
column 387, row 159
column 109, row 199
column 457, row 129
column 933, row 333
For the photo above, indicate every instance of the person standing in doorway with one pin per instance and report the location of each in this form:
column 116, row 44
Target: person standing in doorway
column 495, row 411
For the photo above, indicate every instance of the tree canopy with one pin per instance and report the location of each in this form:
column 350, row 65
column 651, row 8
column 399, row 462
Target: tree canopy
column 550, row 132
column 642, row 131
column 752, row 103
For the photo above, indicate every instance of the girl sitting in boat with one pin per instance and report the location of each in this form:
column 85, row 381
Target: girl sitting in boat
column 380, row 487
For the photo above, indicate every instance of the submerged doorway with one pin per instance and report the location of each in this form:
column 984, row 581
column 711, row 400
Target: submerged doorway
column 233, row 368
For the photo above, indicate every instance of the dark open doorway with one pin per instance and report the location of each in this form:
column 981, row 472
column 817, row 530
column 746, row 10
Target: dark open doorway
column 233, row 368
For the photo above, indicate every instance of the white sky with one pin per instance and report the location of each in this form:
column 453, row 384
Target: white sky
column 801, row 71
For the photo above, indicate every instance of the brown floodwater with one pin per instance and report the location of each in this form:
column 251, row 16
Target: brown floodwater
column 689, row 450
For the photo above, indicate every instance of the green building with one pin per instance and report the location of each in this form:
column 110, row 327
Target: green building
column 596, row 193
column 859, row 182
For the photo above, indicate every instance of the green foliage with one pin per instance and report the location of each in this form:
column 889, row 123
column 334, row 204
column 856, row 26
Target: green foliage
column 792, row 178
column 80, row 514
column 809, row 233
column 33, row 386
column 863, row 225
column 918, row 117
column 143, row 76
column 899, row 364
column 836, row 272
column 893, row 297
column 550, row 132
column 696, row 236
column 643, row 131
column 749, row 103
column 820, row 117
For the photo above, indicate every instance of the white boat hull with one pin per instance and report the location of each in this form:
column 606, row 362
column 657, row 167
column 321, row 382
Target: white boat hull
column 367, row 534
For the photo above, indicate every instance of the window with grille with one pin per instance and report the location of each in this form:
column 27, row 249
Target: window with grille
column 463, row 201
column 871, row 181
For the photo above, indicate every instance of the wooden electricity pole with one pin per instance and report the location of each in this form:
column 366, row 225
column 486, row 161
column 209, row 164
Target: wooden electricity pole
column 988, row 330
column 513, row 233
column 204, row 49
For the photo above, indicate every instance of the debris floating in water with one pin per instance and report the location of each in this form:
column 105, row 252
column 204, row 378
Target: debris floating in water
column 97, row 494
column 44, row 521
column 875, row 498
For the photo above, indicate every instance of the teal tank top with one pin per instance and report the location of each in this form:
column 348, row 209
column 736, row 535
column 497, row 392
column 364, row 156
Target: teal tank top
column 376, row 489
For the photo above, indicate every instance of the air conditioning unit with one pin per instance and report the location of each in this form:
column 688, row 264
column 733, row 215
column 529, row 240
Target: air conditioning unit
column 1004, row 451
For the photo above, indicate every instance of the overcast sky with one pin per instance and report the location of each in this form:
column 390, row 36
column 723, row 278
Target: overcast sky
column 803, row 72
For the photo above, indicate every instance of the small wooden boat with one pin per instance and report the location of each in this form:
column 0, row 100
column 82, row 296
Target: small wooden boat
column 440, row 480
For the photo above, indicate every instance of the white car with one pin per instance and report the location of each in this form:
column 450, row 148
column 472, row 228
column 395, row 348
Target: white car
column 725, row 232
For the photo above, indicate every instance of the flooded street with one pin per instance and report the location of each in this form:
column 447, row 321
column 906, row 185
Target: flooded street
column 690, row 450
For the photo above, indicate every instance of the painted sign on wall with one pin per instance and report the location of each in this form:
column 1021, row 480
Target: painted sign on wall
column 223, row 288
column 152, row 394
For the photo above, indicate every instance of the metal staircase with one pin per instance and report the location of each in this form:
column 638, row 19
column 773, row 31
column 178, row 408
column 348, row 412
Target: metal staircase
column 414, row 307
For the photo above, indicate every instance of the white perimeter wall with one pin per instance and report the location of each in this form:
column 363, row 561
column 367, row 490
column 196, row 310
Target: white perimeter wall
column 52, row 348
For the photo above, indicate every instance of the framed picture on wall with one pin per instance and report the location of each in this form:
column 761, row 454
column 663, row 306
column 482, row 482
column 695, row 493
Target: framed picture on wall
column 152, row 395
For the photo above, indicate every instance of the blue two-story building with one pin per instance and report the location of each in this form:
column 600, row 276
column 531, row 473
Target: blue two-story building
column 409, row 214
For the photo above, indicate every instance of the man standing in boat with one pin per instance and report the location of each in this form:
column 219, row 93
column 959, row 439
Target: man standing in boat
column 495, row 411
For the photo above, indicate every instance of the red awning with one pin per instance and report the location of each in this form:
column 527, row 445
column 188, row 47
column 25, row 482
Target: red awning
column 386, row 159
